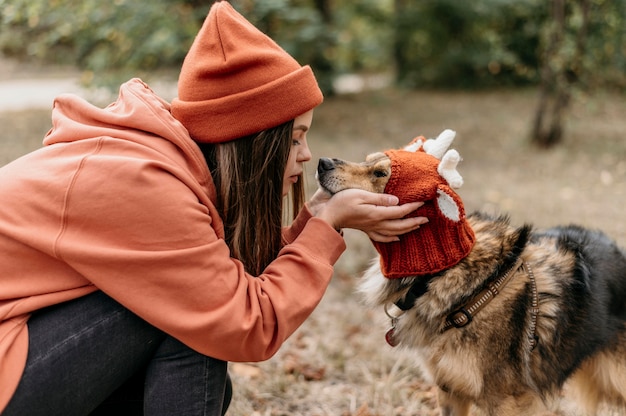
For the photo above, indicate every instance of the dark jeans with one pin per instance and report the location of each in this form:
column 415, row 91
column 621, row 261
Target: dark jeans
column 93, row 356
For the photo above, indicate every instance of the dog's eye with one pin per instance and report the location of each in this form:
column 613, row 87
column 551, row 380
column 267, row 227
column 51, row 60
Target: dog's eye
column 380, row 173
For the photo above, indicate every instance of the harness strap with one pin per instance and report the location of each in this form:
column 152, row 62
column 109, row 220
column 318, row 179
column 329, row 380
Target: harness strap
column 465, row 314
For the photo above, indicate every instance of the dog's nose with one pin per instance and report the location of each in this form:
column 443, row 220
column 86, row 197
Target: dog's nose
column 325, row 164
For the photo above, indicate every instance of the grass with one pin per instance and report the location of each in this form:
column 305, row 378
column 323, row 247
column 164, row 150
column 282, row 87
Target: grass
column 338, row 363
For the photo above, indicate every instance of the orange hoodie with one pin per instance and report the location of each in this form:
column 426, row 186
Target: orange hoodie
column 120, row 199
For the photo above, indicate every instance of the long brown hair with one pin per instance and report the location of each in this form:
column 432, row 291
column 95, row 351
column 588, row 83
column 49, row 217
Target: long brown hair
column 248, row 175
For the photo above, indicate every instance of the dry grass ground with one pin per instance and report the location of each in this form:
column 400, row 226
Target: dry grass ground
column 338, row 363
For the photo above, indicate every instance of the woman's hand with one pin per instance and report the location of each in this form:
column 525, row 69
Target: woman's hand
column 378, row 215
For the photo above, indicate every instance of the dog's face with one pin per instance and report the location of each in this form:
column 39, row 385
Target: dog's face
column 334, row 175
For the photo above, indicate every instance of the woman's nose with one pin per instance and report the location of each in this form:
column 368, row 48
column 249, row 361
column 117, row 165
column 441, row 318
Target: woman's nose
column 304, row 153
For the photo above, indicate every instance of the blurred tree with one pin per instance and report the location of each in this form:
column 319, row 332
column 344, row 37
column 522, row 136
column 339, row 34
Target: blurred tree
column 401, row 40
column 321, row 60
column 303, row 27
column 564, row 46
column 583, row 50
column 452, row 44
column 561, row 69
column 100, row 37
column 430, row 43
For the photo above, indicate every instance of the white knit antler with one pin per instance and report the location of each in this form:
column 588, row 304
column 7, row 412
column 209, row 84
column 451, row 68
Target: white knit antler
column 447, row 169
column 437, row 147
column 449, row 158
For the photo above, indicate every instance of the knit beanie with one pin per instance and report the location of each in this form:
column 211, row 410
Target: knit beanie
column 437, row 245
column 236, row 81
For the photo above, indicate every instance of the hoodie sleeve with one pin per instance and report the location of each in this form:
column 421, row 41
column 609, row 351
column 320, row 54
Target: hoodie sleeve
column 291, row 233
column 140, row 231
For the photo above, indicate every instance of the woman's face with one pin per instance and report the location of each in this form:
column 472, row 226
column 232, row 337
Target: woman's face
column 299, row 153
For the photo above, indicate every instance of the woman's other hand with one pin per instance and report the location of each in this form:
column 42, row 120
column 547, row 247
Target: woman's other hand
column 378, row 215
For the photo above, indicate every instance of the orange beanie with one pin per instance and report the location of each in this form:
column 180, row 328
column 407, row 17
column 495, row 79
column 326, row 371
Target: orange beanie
column 447, row 237
column 236, row 81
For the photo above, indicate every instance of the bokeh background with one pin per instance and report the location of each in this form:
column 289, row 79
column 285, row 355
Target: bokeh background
column 535, row 90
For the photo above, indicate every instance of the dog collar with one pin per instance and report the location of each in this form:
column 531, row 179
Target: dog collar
column 465, row 314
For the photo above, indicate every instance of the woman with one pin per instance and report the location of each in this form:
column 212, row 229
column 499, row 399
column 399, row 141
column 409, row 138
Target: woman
column 142, row 246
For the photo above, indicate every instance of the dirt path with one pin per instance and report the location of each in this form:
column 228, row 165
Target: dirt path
column 28, row 86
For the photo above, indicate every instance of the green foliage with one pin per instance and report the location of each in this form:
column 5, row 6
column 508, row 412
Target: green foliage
column 604, row 64
column 365, row 34
column 355, row 38
column 428, row 43
column 467, row 44
column 299, row 29
column 449, row 43
column 100, row 37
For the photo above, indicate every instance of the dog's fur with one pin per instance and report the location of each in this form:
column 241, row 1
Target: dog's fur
column 580, row 329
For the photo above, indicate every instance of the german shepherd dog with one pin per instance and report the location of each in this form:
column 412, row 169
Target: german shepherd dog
column 524, row 314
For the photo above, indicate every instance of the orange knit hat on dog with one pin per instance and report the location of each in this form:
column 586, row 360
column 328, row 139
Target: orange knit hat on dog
column 236, row 81
column 447, row 237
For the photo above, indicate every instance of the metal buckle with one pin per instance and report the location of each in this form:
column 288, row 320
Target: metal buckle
column 459, row 313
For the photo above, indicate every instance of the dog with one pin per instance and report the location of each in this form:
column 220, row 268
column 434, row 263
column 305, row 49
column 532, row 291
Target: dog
column 524, row 313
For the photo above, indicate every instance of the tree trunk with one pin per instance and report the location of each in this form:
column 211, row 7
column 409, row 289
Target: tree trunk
column 400, row 40
column 323, row 66
column 558, row 78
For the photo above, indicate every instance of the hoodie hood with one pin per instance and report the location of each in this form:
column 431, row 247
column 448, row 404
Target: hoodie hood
column 138, row 115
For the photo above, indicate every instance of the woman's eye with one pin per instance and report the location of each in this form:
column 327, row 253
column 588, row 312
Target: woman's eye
column 295, row 142
column 380, row 173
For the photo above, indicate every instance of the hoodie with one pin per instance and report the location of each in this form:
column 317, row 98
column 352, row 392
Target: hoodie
column 120, row 200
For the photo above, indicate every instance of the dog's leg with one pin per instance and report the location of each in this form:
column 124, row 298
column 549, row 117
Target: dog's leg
column 601, row 378
column 522, row 404
column 583, row 389
column 452, row 405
